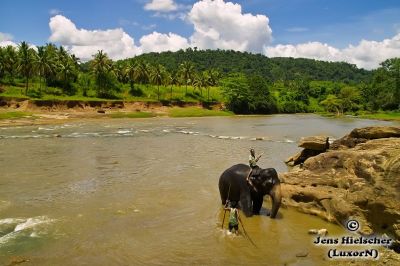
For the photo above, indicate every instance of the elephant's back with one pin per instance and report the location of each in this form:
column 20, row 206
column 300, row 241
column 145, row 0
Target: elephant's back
column 232, row 181
column 238, row 169
column 237, row 172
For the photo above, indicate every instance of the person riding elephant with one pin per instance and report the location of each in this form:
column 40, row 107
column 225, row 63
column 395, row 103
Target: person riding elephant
column 253, row 160
column 236, row 184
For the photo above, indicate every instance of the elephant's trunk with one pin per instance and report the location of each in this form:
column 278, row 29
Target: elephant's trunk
column 276, row 196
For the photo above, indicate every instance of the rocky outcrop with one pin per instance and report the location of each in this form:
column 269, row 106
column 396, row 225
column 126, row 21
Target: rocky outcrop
column 312, row 146
column 358, row 178
column 361, row 135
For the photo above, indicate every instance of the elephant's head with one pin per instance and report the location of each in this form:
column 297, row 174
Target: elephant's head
column 264, row 181
column 267, row 182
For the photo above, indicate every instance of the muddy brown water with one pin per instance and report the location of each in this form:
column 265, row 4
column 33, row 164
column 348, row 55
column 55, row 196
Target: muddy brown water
column 144, row 191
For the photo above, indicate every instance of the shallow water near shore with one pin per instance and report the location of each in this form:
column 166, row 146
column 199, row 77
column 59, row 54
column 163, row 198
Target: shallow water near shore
column 145, row 191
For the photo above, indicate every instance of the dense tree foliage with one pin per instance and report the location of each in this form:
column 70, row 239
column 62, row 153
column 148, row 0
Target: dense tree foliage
column 272, row 69
column 249, row 83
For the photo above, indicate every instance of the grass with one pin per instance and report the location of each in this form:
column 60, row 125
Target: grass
column 382, row 116
column 132, row 115
column 149, row 93
column 196, row 112
column 14, row 115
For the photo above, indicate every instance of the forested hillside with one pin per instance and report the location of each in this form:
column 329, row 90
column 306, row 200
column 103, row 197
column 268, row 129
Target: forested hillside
column 256, row 64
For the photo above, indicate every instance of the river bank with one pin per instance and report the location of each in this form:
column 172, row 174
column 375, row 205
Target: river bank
column 17, row 111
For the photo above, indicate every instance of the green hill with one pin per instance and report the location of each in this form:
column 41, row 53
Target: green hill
column 270, row 68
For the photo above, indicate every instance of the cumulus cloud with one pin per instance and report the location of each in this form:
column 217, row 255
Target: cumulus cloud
column 6, row 40
column 115, row 42
column 84, row 43
column 219, row 24
column 157, row 42
column 315, row 50
column 161, row 5
column 367, row 54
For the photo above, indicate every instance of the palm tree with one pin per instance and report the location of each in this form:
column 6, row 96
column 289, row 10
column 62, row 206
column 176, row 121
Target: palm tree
column 44, row 64
column 66, row 71
column 173, row 80
column 120, row 72
column 26, row 62
column 157, row 77
column 213, row 79
column 142, row 72
column 198, row 82
column 2, row 63
column 187, row 71
column 62, row 53
column 131, row 72
column 75, row 60
column 84, row 82
column 102, row 68
column 10, row 62
column 52, row 54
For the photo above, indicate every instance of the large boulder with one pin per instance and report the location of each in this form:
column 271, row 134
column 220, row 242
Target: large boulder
column 362, row 182
column 315, row 143
column 375, row 132
column 361, row 135
column 313, row 146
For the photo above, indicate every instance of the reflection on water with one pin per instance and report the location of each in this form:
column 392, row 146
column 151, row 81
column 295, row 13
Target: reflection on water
column 145, row 191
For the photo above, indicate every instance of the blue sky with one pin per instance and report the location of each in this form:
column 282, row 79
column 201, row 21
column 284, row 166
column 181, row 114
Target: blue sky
column 333, row 23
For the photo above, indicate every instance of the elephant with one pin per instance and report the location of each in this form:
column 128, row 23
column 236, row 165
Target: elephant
column 235, row 185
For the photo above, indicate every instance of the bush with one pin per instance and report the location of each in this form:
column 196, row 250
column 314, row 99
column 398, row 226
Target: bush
column 34, row 94
column 136, row 91
column 54, row 91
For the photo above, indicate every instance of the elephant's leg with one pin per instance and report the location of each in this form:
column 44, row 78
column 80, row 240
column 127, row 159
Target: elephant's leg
column 257, row 203
column 246, row 203
column 276, row 196
column 223, row 191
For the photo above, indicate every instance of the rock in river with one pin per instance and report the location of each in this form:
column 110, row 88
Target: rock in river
column 315, row 143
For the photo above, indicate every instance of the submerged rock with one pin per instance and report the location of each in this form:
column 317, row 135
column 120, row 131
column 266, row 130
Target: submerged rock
column 302, row 254
column 359, row 181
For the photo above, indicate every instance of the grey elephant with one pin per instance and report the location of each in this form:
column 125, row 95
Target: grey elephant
column 236, row 185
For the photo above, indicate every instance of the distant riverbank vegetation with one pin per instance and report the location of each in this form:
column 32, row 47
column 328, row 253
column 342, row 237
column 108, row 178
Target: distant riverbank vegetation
column 246, row 83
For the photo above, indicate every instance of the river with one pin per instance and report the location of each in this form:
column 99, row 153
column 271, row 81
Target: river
column 145, row 191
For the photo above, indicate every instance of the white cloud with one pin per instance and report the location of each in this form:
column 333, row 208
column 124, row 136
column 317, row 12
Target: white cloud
column 85, row 43
column 157, row 42
column 161, row 5
column 220, row 24
column 367, row 54
column 315, row 50
column 6, row 40
column 115, row 42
